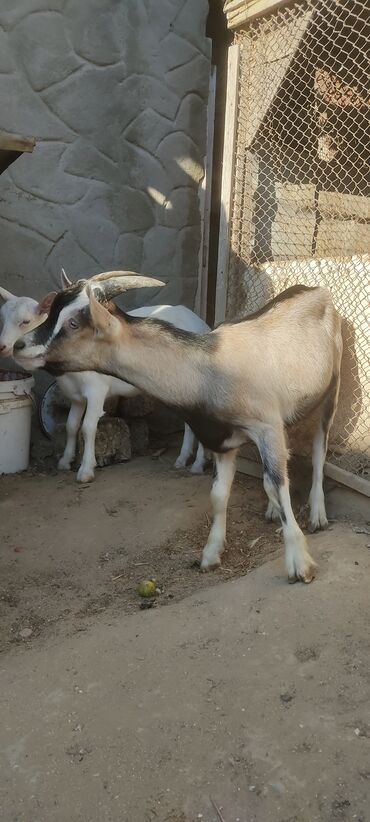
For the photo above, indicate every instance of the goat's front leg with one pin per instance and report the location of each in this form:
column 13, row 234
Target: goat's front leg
column 73, row 423
column 226, row 465
column 274, row 455
column 94, row 410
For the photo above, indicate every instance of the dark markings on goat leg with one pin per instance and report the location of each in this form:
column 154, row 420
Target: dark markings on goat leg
column 273, row 473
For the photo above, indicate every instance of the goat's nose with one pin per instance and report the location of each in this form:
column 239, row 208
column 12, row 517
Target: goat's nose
column 2, row 348
column 19, row 345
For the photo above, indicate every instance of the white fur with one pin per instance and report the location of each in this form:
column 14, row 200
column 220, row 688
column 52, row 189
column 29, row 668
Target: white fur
column 87, row 390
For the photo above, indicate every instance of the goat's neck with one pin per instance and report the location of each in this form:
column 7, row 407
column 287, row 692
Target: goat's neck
column 164, row 366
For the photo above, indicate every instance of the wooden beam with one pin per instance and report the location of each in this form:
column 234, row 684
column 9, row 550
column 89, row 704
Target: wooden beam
column 231, row 116
column 243, row 11
column 205, row 203
column 16, row 142
column 359, row 484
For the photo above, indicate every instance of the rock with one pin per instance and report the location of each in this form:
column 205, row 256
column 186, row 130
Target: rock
column 139, row 433
column 112, row 442
column 25, row 633
column 163, row 420
column 138, row 406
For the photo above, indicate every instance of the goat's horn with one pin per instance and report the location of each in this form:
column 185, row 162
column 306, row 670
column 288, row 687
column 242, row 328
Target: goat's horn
column 64, row 279
column 112, row 283
column 6, row 295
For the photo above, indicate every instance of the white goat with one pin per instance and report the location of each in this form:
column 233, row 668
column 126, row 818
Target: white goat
column 242, row 380
column 87, row 390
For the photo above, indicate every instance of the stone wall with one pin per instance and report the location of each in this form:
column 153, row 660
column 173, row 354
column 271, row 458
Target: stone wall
column 115, row 93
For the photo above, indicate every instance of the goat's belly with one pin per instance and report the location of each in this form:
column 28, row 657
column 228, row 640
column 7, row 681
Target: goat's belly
column 214, row 434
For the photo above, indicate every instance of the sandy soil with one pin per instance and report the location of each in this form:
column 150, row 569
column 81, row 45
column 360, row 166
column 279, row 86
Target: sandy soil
column 244, row 700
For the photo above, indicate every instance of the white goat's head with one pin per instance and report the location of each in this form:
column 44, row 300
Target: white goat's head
column 17, row 316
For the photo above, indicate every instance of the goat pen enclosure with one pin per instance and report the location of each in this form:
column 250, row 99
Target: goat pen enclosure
column 296, row 184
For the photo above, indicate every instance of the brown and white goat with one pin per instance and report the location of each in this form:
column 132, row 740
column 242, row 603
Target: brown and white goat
column 242, row 380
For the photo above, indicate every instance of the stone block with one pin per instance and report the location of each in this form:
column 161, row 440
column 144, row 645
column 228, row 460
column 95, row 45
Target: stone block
column 139, row 433
column 23, row 259
column 138, row 92
column 96, row 29
column 46, row 219
column 7, row 63
column 25, row 112
column 190, row 23
column 68, row 254
column 189, row 76
column 130, row 209
column 11, row 12
column 176, row 51
column 159, row 252
column 164, row 420
column 181, row 159
column 82, row 159
column 44, row 50
column 112, row 443
column 180, row 209
column 192, row 119
column 87, row 100
column 128, row 252
column 131, row 407
column 148, row 129
column 41, row 174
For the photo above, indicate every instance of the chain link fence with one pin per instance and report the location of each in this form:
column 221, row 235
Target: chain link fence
column 300, row 210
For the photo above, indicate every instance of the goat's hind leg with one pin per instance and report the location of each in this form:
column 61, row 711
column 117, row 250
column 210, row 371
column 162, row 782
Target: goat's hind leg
column 186, row 448
column 274, row 454
column 73, row 423
column 226, row 465
column 316, row 500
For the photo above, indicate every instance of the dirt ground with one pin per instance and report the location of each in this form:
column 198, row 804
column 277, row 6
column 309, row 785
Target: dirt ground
column 71, row 553
column 243, row 699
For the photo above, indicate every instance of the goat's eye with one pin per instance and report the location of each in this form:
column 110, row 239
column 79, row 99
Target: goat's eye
column 24, row 322
column 72, row 323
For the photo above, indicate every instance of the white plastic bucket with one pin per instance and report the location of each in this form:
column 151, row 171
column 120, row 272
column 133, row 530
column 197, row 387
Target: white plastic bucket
column 15, row 420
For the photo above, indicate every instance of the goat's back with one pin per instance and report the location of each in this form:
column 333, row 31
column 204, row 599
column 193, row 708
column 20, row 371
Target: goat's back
column 284, row 357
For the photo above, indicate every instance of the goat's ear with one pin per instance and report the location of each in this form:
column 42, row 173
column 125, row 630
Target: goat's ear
column 6, row 295
column 45, row 304
column 104, row 323
column 64, row 280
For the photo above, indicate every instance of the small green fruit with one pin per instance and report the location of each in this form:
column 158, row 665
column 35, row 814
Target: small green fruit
column 146, row 588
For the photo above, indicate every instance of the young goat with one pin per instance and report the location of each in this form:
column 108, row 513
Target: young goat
column 87, row 390
column 243, row 380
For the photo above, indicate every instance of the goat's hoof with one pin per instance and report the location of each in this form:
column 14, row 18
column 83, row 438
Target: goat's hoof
column 272, row 513
column 180, row 464
column 306, row 576
column 196, row 469
column 85, row 476
column 317, row 524
column 63, row 465
column 209, row 564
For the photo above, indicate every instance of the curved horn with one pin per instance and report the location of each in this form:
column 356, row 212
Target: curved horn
column 6, row 295
column 112, row 283
column 64, row 280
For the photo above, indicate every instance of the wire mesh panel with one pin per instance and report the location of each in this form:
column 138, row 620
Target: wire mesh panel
column 301, row 196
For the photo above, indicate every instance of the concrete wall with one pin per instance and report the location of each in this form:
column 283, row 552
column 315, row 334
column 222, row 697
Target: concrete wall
column 115, row 93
